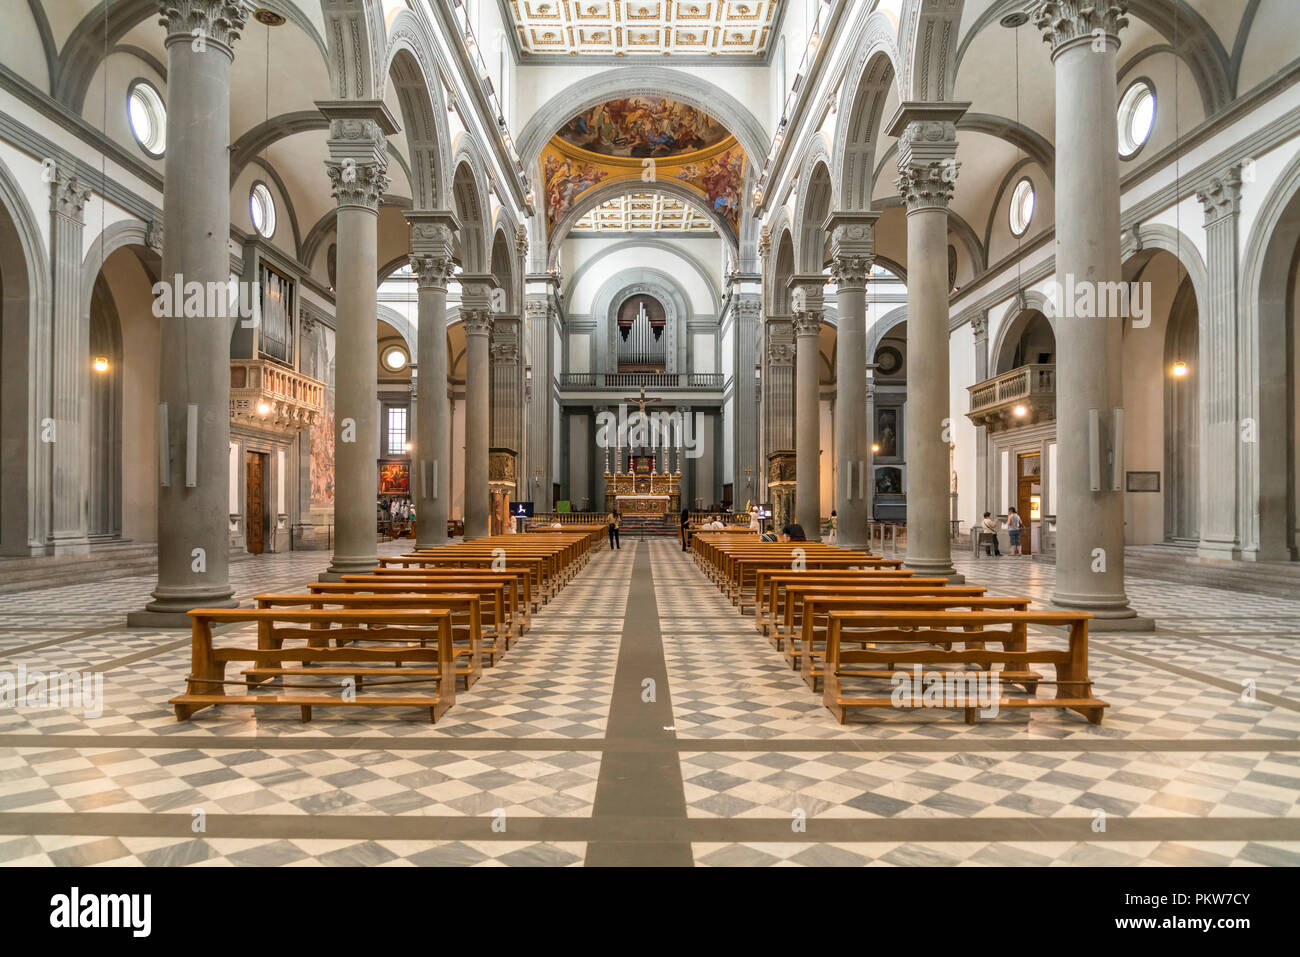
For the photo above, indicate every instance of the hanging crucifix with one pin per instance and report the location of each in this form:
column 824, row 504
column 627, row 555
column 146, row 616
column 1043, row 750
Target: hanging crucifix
column 643, row 425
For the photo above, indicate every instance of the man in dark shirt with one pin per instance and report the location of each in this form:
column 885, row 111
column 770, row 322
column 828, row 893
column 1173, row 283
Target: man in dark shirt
column 686, row 533
column 794, row 533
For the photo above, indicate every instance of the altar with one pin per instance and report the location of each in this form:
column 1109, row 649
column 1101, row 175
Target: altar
column 638, row 482
column 642, row 506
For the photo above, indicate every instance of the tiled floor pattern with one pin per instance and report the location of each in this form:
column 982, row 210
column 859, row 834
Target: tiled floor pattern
column 552, row 695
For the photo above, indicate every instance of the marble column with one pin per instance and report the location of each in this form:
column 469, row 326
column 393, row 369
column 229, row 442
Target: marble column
column 980, row 329
column 357, row 172
column 475, row 310
column 1083, row 35
column 431, row 250
column 927, row 169
column 194, row 375
column 747, row 325
column 538, row 313
column 69, row 487
column 852, row 253
column 778, row 416
column 1217, row 373
column 807, row 295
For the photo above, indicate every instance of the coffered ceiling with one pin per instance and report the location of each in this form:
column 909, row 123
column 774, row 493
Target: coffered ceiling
column 649, row 27
column 645, row 212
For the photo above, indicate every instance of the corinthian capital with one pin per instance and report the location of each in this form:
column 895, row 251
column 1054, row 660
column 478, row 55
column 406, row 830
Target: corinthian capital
column 478, row 322
column 1094, row 21
column 432, row 272
column 1220, row 196
column 69, row 196
column 354, row 184
column 203, row 22
column 929, row 186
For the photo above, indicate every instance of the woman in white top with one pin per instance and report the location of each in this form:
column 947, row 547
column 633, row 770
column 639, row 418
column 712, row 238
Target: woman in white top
column 754, row 524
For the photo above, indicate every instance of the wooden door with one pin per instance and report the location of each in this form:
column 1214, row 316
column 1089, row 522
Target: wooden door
column 1027, row 487
column 255, row 502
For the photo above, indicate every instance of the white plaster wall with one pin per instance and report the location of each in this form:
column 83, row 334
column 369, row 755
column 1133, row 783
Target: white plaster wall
column 140, row 358
column 705, row 359
column 579, row 352
column 961, row 373
column 683, row 263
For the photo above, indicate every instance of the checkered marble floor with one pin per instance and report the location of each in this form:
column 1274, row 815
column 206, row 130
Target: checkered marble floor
column 1186, row 768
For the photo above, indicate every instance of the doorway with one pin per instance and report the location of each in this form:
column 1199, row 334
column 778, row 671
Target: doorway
column 255, row 502
column 1029, row 496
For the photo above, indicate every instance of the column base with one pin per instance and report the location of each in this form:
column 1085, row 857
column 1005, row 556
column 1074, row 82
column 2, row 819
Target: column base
column 171, row 609
column 935, row 568
column 1108, row 614
column 348, row 565
column 1218, row 551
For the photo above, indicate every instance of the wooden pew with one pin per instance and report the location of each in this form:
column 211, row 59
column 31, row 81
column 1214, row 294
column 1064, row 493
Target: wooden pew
column 206, row 685
column 790, row 622
column 1073, row 686
column 466, row 623
column 817, row 607
column 521, row 589
column 497, row 626
column 770, row 584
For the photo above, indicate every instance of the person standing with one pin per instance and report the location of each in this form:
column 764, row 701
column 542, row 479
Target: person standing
column 613, row 531
column 1014, row 527
column 989, row 527
column 686, row 528
column 832, row 528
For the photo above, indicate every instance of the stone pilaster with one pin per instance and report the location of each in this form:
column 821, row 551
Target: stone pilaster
column 431, row 251
column 747, row 334
column 927, row 147
column 1083, row 35
column 852, row 254
column 807, row 295
column 357, row 169
column 539, row 314
column 1220, row 470
column 71, row 365
column 194, row 375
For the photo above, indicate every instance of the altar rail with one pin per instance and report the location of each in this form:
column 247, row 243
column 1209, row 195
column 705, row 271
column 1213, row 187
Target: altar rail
column 569, row 518
column 701, row 381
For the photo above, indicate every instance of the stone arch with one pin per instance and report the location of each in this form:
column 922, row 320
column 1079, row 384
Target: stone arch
column 594, row 197
column 781, row 269
column 1015, row 317
column 1141, row 242
column 863, row 93
column 409, row 333
column 815, row 202
column 504, row 264
column 643, row 81
column 571, row 282
column 623, row 286
column 881, row 328
column 354, row 38
column 25, row 317
column 1266, row 467
column 83, row 51
column 928, row 45
column 411, row 67
column 470, row 203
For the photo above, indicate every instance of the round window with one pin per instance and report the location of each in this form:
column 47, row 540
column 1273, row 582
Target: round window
column 148, row 117
column 1021, row 212
column 1137, row 116
column 395, row 359
column 262, row 208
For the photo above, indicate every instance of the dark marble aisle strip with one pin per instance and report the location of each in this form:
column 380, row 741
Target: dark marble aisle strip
column 635, row 783
column 667, row 744
column 642, row 839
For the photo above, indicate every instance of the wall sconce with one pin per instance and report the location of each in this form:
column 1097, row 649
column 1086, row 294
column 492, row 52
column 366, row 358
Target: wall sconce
column 263, row 408
column 1020, row 412
column 875, row 447
column 100, row 364
column 408, row 446
column 1180, row 368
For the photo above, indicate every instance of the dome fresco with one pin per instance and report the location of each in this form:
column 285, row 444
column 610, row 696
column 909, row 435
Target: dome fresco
column 641, row 126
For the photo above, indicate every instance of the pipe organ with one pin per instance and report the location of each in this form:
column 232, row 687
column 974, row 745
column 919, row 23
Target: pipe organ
column 641, row 346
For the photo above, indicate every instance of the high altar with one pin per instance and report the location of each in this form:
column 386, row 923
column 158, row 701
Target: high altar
column 643, row 490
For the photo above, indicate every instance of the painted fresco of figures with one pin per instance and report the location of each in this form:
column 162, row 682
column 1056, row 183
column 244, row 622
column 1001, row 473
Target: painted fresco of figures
column 565, row 181
column 642, row 126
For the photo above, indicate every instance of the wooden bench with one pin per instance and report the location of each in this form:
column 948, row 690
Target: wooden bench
column 770, row 586
column 497, row 629
column 466, row 623
column 522, row 579
column 817, row 607
column 790, row 622
column 206, row 684
column 1073, row 686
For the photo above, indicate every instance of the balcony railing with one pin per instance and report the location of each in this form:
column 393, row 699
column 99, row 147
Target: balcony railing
column 700, row 381
column 1023, row 396
column 267, row 395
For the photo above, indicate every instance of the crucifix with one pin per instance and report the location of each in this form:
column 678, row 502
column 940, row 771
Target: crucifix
column 641, row 401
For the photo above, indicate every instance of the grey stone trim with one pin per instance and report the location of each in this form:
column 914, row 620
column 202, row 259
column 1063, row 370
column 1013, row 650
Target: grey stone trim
column 646, row 80
column 571, row 282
